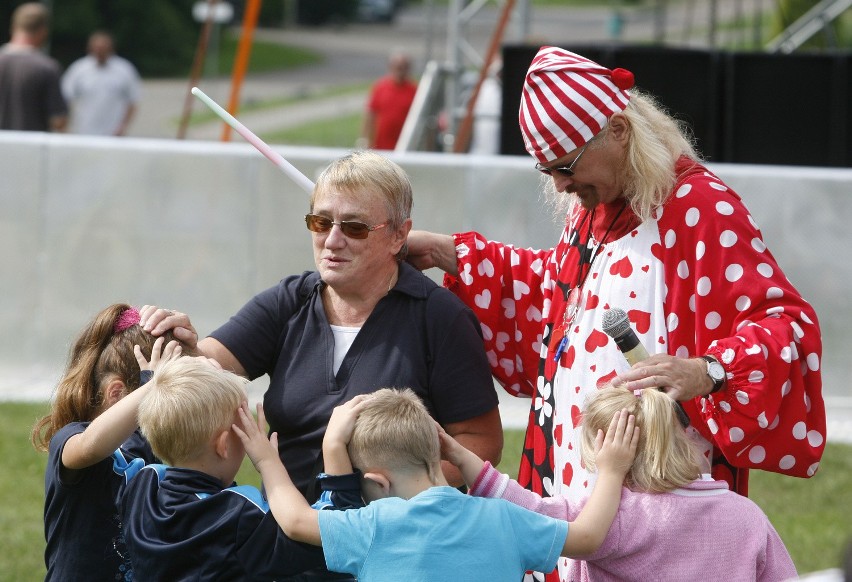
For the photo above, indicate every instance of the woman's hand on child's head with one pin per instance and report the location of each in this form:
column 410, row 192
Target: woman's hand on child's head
column 252, row 434
column 159, row 354
column 342, row 421
column 158, row 321
column 615, row 450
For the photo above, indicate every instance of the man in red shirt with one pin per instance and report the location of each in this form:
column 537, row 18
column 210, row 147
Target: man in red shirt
column 390, row 100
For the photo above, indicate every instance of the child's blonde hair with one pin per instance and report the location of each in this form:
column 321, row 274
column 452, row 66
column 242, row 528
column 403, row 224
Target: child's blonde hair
column 189, row 403
column 666, row 457
column 395, row 431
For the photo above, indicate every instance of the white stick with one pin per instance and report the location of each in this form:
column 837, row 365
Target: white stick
column 258, row 143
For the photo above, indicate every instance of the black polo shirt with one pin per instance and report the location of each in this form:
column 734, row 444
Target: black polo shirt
column 419, row 336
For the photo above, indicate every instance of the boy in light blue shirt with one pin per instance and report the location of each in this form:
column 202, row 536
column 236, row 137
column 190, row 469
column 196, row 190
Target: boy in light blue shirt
column 416, row 527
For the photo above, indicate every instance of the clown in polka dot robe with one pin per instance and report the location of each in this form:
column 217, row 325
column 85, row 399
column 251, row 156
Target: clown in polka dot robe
column 696, row 279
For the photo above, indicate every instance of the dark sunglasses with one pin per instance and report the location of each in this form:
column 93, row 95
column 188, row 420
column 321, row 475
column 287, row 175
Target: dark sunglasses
column 566, row 170
column 350, row 228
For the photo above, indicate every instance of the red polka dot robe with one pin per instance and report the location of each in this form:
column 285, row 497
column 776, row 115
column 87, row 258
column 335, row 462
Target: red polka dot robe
column 696, row 279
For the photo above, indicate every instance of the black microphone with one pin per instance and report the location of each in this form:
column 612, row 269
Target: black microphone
column 616, row 325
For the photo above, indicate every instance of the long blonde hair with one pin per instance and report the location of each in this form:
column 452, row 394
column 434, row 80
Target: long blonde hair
column 666, row 457
column 656, row 142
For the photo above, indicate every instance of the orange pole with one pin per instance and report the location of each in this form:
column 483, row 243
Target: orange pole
column 462, row 140
column 241, row 62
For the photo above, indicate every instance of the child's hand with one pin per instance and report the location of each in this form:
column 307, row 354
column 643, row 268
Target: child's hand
column 468, row 462
column 342, row 422
column 615, row 451
column 451, row 450
column 159, row 354
column 252, row 434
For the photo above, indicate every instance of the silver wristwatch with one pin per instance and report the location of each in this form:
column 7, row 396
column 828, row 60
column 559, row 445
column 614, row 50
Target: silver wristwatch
column 716, row 373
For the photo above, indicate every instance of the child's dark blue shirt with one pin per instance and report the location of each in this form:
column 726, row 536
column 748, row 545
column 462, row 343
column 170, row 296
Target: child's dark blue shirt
column 81, row 523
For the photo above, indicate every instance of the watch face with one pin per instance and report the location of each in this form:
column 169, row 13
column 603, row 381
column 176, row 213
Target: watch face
column 715, row 371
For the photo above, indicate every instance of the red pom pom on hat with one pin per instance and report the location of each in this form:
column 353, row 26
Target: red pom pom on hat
column 622, row 78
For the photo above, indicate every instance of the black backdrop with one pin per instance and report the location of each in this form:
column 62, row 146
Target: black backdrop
column 742, row 107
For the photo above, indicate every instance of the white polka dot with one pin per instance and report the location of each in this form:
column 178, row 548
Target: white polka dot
column 725, row 406
column 682, row 352
column 757, row 454
column 724, row 208
column 775, row 422
column 692, row 303
column 670, row 239
column 683, row 269
column 700, row 248
column 743, row 303
column 755, row 376
column 774, row 293
column 807, row 402
column 736, row 434
column 712, row 320
column 800, row 431
column 785, row 354
column 798, row 333
column 742, row 397
column 814, row 438
column 683, row 190
column 758, row 245
column 786, row 463
column 718, row 186
column 703, row 287
column 711, row 424
column 765, row 269
column 804, row 317
column 761, row 420
column 813, row 362
column 785, row 388
column 728, row 356
column 728, row 238
column 733, row 272
column 751, row 220
column 775, row 310
column 692, row 216
column 813, row 469
column 671, row 321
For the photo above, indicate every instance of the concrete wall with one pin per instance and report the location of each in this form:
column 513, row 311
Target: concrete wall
column 202, row 226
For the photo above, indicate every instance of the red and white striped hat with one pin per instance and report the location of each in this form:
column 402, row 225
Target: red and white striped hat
column 567, row 99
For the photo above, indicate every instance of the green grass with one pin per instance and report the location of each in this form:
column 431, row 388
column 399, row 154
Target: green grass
column 265, row 56
column 811, row 515
column 338, row 132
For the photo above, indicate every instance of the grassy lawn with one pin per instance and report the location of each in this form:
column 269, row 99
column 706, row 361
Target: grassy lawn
column 810, row 515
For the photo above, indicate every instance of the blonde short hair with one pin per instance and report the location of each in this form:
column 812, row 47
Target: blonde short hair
column 189, row 403
column 395, row 431
column 666, row 457
column 368, row 170
column 31, row 17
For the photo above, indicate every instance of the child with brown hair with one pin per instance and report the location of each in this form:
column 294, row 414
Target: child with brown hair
column 672, row 523
column 89, row 449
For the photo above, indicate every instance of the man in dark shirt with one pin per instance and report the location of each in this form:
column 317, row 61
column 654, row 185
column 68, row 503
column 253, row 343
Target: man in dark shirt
column 30, row 94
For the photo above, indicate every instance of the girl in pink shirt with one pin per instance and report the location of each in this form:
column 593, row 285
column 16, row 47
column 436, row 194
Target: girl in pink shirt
column 673, row 522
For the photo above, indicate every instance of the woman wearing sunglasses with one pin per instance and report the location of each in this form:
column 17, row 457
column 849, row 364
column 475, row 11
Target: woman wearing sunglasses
column 365, row 319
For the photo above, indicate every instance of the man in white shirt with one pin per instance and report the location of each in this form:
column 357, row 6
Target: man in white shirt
column 102, row 89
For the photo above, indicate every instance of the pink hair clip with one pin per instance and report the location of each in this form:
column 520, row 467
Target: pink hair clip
column 127, row 318
column 637, row 393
